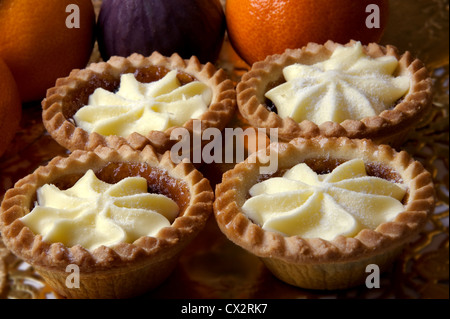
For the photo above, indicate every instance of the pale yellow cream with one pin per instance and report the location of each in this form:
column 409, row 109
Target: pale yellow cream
column 309, row 205
column 143, row 107
column 94, row 213
column 349, row 85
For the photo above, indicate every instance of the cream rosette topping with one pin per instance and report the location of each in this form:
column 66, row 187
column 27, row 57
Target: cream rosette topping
column 348, row 85
column 307, row 204
column 93, row 213
column 143, row 107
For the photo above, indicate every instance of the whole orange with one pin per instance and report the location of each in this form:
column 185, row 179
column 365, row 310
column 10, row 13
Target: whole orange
column 10, row 107
column 43, row 40
column 258, row 28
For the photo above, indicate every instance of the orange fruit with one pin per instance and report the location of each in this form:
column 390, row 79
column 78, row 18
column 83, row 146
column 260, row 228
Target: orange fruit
column 40, row 41
column 258, row 28
column 10, row 107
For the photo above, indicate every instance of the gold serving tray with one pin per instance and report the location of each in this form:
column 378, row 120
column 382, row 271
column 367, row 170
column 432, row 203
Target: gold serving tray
column 213, row 267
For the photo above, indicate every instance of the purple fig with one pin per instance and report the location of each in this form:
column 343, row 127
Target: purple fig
column 186, row 27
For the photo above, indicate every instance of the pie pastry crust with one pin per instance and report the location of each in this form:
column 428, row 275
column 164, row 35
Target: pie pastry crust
column 59, row 106
column 389, row 127
column 316, row 263
column 123, row 270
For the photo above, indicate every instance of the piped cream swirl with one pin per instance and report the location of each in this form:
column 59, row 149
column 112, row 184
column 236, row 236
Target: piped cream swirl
column 143, row 107
column 348, row 85
column 309, row 205
column 93, row 213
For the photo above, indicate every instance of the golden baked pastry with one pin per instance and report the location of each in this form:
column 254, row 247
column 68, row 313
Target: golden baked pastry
column 124, row 254
column 390, row 187
column 106, row 105
column 337, row 90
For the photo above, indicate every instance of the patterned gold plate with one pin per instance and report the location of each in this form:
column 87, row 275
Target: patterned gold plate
column 213, row 267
